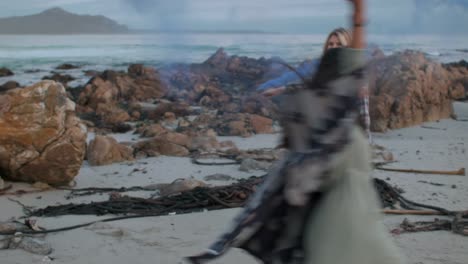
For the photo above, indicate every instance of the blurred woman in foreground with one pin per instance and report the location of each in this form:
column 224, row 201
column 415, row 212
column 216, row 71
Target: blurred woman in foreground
column 338, row 38
column 318, row 205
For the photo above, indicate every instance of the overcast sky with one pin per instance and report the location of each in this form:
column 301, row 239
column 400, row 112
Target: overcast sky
column 295, row 16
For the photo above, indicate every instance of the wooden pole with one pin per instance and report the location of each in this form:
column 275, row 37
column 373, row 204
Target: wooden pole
column 411, row 212
column 460, row 172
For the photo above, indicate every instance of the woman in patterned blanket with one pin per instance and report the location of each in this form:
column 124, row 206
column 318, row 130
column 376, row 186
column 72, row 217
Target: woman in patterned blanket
column 318, row 204
column 338, row 38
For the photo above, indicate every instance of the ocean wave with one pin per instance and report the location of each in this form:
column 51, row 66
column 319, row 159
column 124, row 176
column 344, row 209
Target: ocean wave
column 25, row 53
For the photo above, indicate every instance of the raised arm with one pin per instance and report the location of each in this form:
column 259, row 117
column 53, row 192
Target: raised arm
column 358, row 22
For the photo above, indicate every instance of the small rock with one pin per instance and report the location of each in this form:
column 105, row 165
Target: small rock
column 5, row 242
column 32, row 71
column 91, row 73
column 47, row 259
column 62, row 78
column 251, row 164
column 454, row 186
column 12, row 227
column 218, row 177
column 16, row 240
column 2, row 184
column 178, row 186
column 67, row 66
column 41, row 186
column 35, row 246
column 387, row 156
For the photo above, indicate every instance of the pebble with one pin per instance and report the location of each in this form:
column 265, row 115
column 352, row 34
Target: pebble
column 4, row 242
column 35, row 246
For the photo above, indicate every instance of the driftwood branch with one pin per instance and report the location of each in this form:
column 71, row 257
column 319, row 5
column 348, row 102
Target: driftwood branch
column 199, row 162
column 459, row 225
column 460, row 172
column 437, row 128
column 411, row 212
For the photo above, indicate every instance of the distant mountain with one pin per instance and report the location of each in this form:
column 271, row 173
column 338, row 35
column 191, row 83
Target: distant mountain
column 58, row 21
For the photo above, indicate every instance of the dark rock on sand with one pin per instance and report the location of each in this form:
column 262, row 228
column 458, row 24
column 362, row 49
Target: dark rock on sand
column 8, row 86
column 62, row 78
column 5, row 72
column 67, row 66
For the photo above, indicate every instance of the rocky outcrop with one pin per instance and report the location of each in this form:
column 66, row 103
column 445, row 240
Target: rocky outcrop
column 105, row 94
column 41, row 139
column 213, row 82
column 407, row 89
column 139, row 84
column 103, row 150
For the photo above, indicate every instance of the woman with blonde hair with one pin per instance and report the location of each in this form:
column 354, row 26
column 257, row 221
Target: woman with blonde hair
column 318, row 205
column 338, row 38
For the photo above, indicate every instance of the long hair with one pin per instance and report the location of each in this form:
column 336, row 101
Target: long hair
column 343, row 35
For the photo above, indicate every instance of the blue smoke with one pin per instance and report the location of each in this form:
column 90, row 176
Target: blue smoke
column 162, row 15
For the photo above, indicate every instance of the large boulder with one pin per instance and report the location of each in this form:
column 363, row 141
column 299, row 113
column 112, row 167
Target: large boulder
column 407, row 89
column 41, row 139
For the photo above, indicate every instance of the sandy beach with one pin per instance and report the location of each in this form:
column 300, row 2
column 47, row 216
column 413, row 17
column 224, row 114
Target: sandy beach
column 431, row 146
